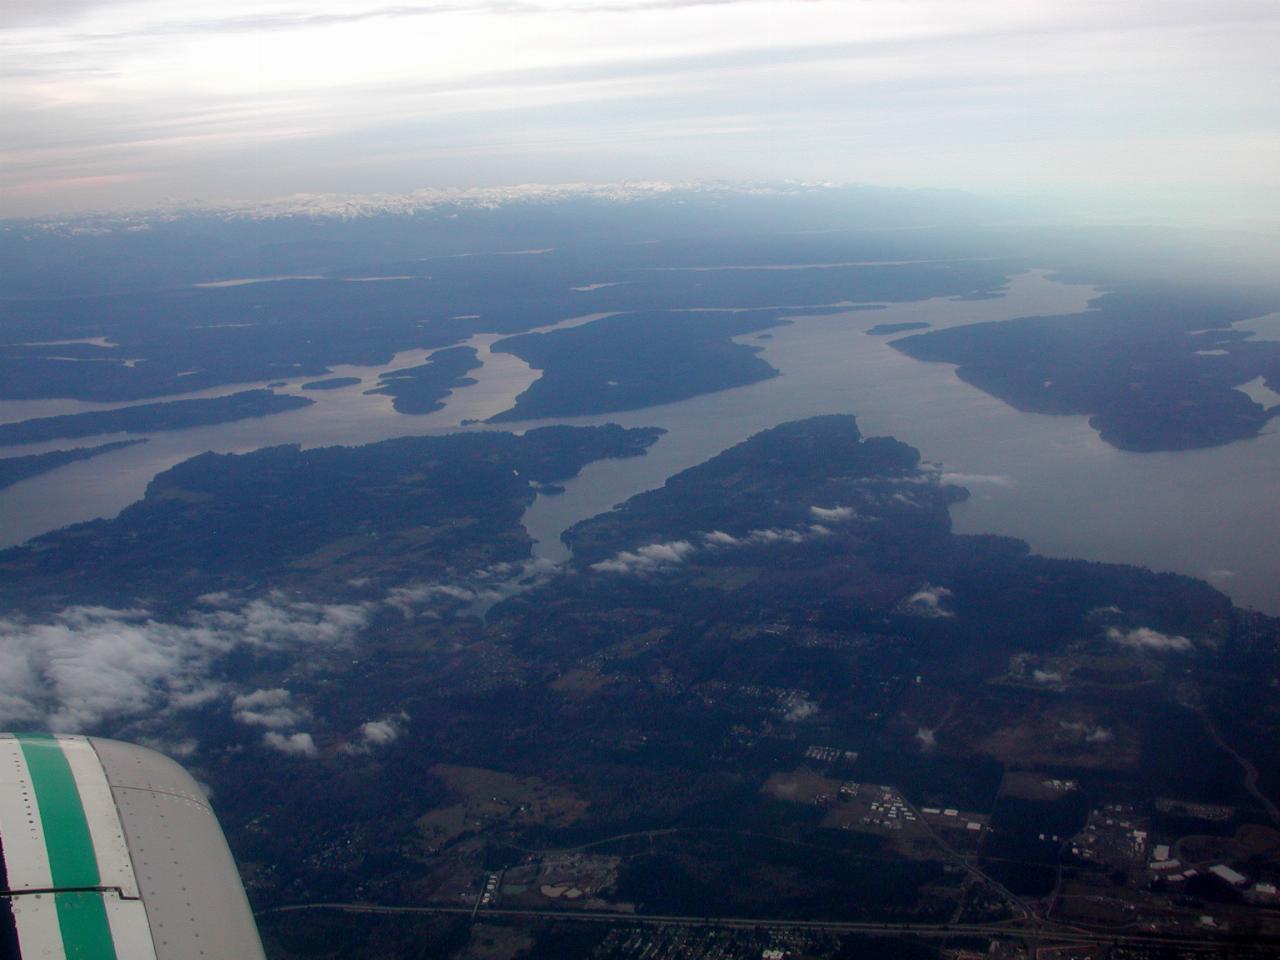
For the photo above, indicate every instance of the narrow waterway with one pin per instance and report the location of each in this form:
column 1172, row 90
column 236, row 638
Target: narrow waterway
column 1046, row 479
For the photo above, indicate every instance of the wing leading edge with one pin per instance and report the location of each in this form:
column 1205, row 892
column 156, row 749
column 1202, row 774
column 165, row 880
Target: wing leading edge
column 111, row 852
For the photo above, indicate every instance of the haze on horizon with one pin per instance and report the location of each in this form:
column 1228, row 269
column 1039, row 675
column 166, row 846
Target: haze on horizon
column 1167, row 108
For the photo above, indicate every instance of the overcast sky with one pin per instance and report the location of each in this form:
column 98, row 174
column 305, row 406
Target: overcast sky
column 111, row 103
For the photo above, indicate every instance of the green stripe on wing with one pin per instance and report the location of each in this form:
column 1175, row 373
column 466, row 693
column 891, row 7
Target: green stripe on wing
column 82, row 916
column 86, row 931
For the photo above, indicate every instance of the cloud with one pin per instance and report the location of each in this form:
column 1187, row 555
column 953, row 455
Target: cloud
column 927, row 739
column 832, row 514
column 268, row 708
column 376, row 733
column 407, row 599
column 775, row 535
column 295, row 744
column 800, row 709
column 284, row 18
column 273, row 622
column 1046, row 677
column 476, row 592
column 647, row 559
column 489, row 90
column 274, row 709
column 1144, row 638
column 1088, row 733
column 657, row 556
column 927, row 602
column 379, row 732
column 85, row 665
column 718, row 538
column 966, row 479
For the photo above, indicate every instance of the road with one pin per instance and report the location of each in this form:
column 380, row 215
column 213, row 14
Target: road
column 1047, row 932
column 1246, row 766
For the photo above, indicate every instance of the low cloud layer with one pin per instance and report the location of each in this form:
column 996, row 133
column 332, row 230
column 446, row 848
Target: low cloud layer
column 927, row 602
column 87, row 664
column 376, row 734
column 800, row 709
column 832, row 514
column 268, row 708
column 647, row 559
column 1085, row 732
column 663, row 556
column 476, row 593
column 1144, row 638
column 974, row 479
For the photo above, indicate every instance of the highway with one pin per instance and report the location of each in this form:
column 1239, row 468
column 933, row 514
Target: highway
column 1048, row 933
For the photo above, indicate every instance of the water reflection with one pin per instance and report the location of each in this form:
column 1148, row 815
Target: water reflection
column 105, row 485
column 1046, row 479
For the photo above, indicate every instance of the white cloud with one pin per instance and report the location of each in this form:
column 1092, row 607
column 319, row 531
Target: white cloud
column 800, row 709
column 1088, row 733
column 478, row 591
column 672, row 552
column 295, row 744
column 408, row 598
column 658, row 556
column 927, row 602
column 776, row 535
column 85, row 665
column 268, row 708
column 274, row 621
column 832, row 514
column 376, row 733
column 138, row 99
column 647, row 559
column 1047, row 677
column 970, row 479
column 379, row 732
column 1144, row 638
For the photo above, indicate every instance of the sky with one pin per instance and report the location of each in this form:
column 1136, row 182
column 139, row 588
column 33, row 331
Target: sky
column 112, row 104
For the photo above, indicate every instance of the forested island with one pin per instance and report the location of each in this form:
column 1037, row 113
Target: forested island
column 333, row 383
column 629, row 361
column 148, row 417
column 1153, row 369
column 410, row 506
column 14, row 469
column 422, row 389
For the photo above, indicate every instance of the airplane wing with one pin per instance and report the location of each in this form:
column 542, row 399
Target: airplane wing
column 111, row 852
